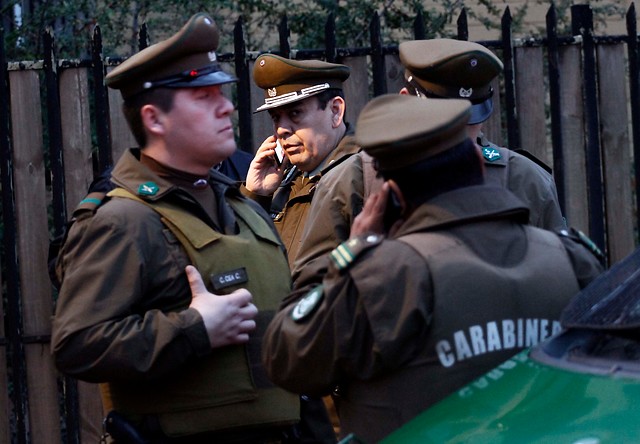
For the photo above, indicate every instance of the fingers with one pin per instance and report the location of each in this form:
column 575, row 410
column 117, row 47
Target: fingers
column 195, row 280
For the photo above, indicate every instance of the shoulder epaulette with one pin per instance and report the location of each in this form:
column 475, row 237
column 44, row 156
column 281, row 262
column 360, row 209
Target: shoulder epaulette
column 89, row 204
column 345, row 253
column 583, row 239
column 534, row 159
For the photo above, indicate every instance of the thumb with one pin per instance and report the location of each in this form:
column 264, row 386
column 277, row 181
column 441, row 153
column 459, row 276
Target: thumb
column 195, row 280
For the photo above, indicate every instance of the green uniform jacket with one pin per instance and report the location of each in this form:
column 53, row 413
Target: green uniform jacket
column 122, row 316
column 399, row 323
column 340, row 198
column 290, row 204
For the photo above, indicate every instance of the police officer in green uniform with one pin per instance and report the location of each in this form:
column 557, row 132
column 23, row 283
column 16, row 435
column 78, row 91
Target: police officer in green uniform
column 164, row 290
column 442, row 68
column 306, row 103
column 441, row 280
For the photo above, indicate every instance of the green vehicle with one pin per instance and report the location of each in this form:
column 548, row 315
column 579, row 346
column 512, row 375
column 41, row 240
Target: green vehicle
column 580, row 387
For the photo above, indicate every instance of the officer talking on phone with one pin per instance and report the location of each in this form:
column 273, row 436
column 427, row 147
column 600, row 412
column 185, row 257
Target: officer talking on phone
column 421, row 301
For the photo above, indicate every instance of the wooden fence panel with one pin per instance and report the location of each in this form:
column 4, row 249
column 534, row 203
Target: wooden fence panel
column 76, row 133
column 356, row 87
column 261, row 122
column 394, row 74
column 121, row 136
column 5, row 403
column 577, row 211
column 616, row 149
column 530, row 100
column 33, row 239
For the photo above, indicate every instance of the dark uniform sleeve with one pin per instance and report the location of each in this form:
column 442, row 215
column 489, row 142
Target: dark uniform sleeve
column 337, row 200
column 585, row 256
column 120, row 268
column 369, row 315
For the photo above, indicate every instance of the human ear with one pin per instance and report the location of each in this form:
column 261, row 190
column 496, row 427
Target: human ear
column 152, row 119
column 338, row 107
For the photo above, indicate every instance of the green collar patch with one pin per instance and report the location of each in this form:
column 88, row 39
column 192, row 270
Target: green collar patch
column 307, row 304
column 491, row 154
column 148, row 189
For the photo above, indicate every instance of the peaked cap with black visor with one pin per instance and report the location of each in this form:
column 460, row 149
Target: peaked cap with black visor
column 185, row 60
column 452, row 69
column 286, row 81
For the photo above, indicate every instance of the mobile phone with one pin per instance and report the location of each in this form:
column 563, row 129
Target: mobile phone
column 393, row 210
column 279, row 153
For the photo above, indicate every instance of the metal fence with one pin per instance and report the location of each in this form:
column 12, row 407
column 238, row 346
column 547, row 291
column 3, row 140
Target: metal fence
column 572, row 101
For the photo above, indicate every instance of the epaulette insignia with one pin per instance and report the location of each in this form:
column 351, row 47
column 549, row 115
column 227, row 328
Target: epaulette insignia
column 148, row 189
column 307, row 304
column 584, row 240
column 345, row 253
column 89, row 204
column 491, row 154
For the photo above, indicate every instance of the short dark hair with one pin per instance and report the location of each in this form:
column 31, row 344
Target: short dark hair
column 160, row 97
column 457, row 167
column 328, row 94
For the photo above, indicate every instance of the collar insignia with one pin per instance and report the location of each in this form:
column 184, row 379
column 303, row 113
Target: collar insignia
column 148, row 189
column 491, row 154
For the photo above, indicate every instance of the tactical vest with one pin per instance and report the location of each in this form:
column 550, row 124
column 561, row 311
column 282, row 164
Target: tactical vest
column 229, row 387
column 467, row 293
column 474, row 298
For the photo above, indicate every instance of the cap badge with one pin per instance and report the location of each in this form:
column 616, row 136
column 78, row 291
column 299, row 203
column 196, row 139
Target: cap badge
column 491, row 154
column 307, row 304
column 212, row 56
column 148, row 189
column 473, row 63
column 465, row 92
column 272, row 92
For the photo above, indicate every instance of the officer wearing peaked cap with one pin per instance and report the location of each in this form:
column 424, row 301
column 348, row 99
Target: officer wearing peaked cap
column 448, row 68
column 306, row 103
column 437, row 68
column 146, row 306
column 386, row 321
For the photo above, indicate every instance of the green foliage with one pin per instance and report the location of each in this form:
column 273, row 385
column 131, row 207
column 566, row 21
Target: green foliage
column 74, row 21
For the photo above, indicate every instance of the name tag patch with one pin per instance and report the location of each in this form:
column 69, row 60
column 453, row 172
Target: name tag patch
column 229, row 278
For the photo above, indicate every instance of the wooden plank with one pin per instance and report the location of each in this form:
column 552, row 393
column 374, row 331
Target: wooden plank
column 616, row 149
column 121, row 136
column 91, row 412
column 356, row 88
column 530, row 98
column 76, row 135
column 261, row 122
column 577, row 211
column 394, row 75
column 33, row 240
column 5, row 428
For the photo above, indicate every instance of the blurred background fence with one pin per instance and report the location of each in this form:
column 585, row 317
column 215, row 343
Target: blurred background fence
column 571, row 100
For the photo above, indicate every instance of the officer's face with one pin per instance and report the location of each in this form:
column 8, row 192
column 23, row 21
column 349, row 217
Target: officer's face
column 307, row 133
column 197, row 131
